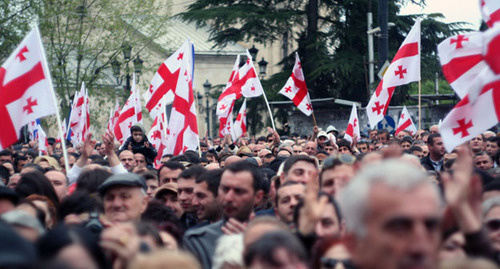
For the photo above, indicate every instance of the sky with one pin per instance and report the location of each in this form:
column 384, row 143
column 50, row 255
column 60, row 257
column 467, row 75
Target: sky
column 453, row 10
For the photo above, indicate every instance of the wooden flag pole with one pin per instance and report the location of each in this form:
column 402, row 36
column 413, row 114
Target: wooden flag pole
column 419, row 105
column 314, row 119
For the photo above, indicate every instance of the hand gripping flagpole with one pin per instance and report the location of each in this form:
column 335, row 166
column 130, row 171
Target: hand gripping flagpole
column 58, row 116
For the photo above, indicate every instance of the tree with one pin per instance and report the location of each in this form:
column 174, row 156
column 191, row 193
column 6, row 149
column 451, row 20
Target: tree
column 84, row 37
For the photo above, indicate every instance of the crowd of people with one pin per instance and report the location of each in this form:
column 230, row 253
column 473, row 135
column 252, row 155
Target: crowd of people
column 278, row 201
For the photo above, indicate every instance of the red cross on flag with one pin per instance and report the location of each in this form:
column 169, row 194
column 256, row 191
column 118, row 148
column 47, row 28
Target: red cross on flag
column 245, row 83
column 226, row 115
column 405, row 122
column 472, row 117
column 462, row 60
column 490, row 11
column 182, row 131
column 295, row 89
column 164, row 82
column 240, row 124
column 353, row 126
column 404, row 68
column 129, row 115
column 79, row 120
column 26, row 91
column 158, row 137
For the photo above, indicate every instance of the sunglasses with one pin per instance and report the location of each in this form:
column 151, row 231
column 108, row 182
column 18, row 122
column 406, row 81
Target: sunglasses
column 339, row 159
column 331, row 263
column 493, row 225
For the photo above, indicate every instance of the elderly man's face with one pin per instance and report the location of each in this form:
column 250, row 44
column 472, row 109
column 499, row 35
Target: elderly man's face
column 122, row 203
column 310, row 148
column 401, row 229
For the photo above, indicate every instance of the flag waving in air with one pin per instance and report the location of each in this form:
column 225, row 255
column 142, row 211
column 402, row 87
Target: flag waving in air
column 158, row 135
column 226, row 114
column 295, row 89
column 79, row 120
column 405, row 122
column 352, row 130
column 129, row 115
column 240, row 124
column 245, row 83
column 490, row 11
column 182, row 130
column 26, row 91
column 404, row 68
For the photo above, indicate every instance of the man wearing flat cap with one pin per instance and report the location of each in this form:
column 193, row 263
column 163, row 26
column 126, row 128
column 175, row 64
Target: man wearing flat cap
column 124, row 197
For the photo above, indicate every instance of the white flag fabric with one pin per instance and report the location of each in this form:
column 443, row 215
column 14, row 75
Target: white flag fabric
column 353, row 126
column 462, row 60
column 164, row 82
column 182, row 130
column 79, row 121
column 26, row 91
column 240, row 124
column 129, row 115
column 490, row 11
column 404, row 68
column 405, row 122
column 158, row 136
column 295, row 89
column 226, row 114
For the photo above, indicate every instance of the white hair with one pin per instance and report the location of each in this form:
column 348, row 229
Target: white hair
column 393, row 173
column 490, row 204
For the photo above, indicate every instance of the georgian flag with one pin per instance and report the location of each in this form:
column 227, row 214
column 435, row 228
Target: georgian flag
column 79, row 120
column 353, row 126
column 295, row 89
column 490, row 11
column 462, row 60
column 113, row 117
column 240, row 124
column 404, row 68
column 226, row 115
column 245, row 83
column 182, row 130
column 157, row 135
column 405, row 122
column 129, row 115
column 26, row 91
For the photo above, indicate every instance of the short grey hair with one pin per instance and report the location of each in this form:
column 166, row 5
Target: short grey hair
column 490, row 204
column 394, row 173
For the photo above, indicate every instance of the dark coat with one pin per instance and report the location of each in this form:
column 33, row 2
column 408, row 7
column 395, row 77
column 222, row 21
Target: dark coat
column 201, row 242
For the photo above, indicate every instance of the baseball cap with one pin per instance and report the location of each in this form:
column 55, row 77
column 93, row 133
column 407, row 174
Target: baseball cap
column 128, row 179
column 322, row 133
column 167, row 187
column 331, row 128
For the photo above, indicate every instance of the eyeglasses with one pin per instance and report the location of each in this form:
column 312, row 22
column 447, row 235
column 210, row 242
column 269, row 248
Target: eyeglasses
column 330, row 263
column 339, row 159
column 493, row 225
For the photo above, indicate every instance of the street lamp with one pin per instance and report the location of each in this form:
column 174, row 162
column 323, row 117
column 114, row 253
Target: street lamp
column 262, row 67
column 116, row 67
column 253, row 52
column 207, row 86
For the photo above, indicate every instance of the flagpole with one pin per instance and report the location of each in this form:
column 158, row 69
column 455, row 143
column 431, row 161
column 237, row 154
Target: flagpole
column 419, row 105
column 58, row 116
column 269, row 109
column 197, row 121
column 314, row 119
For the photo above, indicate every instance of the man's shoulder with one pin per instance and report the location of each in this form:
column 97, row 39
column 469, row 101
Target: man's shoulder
column 214, row 228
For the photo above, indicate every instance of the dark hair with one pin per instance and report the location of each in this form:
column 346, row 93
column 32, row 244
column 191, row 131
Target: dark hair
column 164, row 219
column 36, row 183
column 406, row 139
column 494, row 139
column 5, row 152
column 63, row 236
column 90, row 180
column 203, row 144
column 148, row 175
column 148, row 229
column 287, row 183
column 212, row 178
column 172, row 165
column 79, row 202
column 192, row 172
column 4, row 173
column 264, row 248
column 242, row 166
column 321, row 247
column 17, row 159
column 192, row 157
column 344, row 143
column 383, row 131
column 135, row 128
column 415, row 148
column 430, row 139
column 290, row 161
column 35, row 166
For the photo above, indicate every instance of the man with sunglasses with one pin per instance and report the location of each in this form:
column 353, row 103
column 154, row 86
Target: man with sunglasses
column 392, row 218
column 337, row 171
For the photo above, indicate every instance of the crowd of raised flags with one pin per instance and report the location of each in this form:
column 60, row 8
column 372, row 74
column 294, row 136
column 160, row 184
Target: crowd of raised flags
column 470, row 64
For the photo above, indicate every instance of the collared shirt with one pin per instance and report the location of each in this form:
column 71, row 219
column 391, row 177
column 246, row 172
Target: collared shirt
column 437, row 165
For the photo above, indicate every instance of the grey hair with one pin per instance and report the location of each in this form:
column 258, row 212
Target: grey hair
column 394, row 173
column 490, row 204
